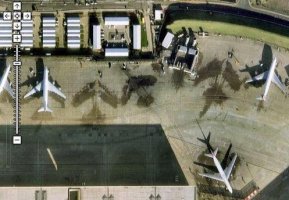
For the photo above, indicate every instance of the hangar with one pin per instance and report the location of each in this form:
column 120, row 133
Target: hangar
column 96, row 37
column 158, row 12
column 27, row 33
column 5, row 33
column 136, row 37
column 168, row 40
column 73, row 32
column 48, row 32
column 116, row 21
column 116, row 52
column 101, row 192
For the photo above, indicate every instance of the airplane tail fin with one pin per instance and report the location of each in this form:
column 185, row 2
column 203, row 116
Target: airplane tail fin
column 261, row 98
column 44, row 109
column 212, row 154
column 206, row 140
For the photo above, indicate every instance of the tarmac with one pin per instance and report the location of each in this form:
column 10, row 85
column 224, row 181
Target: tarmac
column 218, row 101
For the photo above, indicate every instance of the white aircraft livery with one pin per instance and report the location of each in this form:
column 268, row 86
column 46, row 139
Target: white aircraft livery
column 269, row 76
column 223, row 175
column 45, row 86
column 4, row 84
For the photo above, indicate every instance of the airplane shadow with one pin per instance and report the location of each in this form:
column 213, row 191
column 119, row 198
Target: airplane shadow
column 139, row 85
column 86, row 92
column 93, row 116
column 36, row 76
column 206, row 141
column 264, row 65
column 33, row 79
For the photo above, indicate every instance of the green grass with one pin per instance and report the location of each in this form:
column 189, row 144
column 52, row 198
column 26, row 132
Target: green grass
column 231, row 25
column 144, row 39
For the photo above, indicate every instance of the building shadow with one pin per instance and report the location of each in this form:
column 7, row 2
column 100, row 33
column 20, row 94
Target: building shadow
column 277, row 188
column 128, row 155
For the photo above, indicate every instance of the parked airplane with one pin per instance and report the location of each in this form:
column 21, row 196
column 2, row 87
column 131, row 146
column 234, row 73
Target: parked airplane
column 206, row 141
column 4, row 84
column 45, row 86
column 223, row 175
column 269, row 76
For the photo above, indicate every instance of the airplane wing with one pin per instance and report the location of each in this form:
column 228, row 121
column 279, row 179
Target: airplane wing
column 8, row 88
column 277, row 81
column 54, row 89
column 37, row 88
column 259, row 77
column 213, row 176
column 229, row 168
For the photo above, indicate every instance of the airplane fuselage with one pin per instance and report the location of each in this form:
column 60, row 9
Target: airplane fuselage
column 222, row 173
column 269, row 78
column 45, row 88
column 4, row 78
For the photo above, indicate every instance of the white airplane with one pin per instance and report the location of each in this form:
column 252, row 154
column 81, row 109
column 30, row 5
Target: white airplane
column 270, row 76
column 223, row 175
column 45, row 86
column 4, row 84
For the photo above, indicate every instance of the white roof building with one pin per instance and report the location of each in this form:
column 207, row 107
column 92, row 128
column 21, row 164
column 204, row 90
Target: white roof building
column 100, row 192
column 192, row 51
column 48, row 20
column 74, row 29
column 116, row 21
column 48, row 32
column 168, row 40
column 73, row 20
column 5, row 33
column 136, row 37
column 5, row 23
column 116, row 52
column 183, row 49
column 158, row 12
column 73, row 32
column 27, row 33
column 159, row 15
column 96, row 37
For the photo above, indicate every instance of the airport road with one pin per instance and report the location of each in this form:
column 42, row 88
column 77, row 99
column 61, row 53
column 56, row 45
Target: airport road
column 60, row 30
column 246, row 4
column 148, row 31
column 36, row 30
column 85, row 29
column 226, row 107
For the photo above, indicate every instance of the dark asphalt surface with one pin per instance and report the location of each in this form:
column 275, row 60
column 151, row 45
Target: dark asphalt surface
column 88, row 155
column 228, row 10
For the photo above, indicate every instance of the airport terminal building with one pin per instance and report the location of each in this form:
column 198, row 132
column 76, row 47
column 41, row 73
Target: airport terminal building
column 100, row 193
